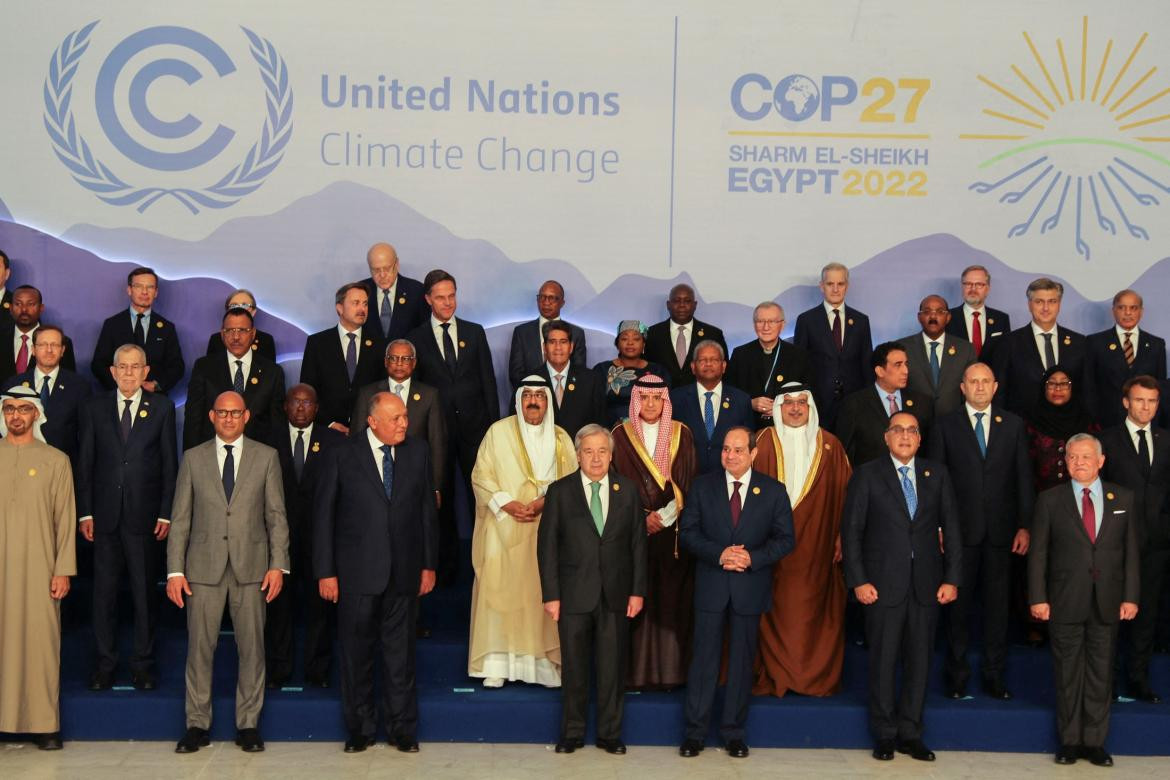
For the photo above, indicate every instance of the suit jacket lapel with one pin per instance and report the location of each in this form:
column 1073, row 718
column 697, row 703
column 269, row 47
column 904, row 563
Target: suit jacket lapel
column 1073, row 508
column 247, row 464
column 367, row 464
column 893, row 482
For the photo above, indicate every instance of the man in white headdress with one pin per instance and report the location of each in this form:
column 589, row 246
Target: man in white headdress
column 38, row 521
column 802, row 641
column 511, row 636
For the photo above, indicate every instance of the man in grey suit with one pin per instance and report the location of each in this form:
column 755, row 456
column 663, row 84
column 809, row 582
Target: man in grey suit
column 937, row 358
column 228, row 542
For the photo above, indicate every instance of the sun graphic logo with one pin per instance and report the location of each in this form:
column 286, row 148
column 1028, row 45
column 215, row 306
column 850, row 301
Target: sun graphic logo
column 1084, row 157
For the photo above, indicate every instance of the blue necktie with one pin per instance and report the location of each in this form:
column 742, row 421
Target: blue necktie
column 385, row 313
column 709, row 415
column 45, row 397
column 979, row 437
column 238, row 379
column 387, row 471
column 229, row 473
column 934, row 366
column 351, row 356
column 908, row 490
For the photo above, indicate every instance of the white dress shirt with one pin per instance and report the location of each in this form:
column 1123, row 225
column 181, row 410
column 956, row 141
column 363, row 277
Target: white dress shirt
column 393, row 383
column 292, row 437
column 246, row 360
column 884, row 396
column 604, row 493
column 716, row 399
column 437, row 329
column 343, row 335
column 743, row 485
column 968, row 320
column 927, row 341
column 221, row 454
column 390, row 292
column 17, row 336
column 39, row 378
column 686, row 330
column 1038, row 337
column 829, row 311
column 1133, row 437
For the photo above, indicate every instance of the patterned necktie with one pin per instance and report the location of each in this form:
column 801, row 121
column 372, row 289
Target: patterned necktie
column 1128, row 348
column 387, row 471
column 838, row 331
column 385, row 313
column 709, row 414
column 560, row 391
column 45, row 393
column 1049, row 353
column 595, row 507
column 893, row 399
column 22, row 355
column 299, row 455
column 139, row 331
column 1143, row 450
column 935, row 368
column 398, row 390
column 238, row 380
column 125, row 422
column 736, row 504
column 980, row 437
column 351, row 356
column 1089, row 515
column 908, row 491
column 229, row 472
column 680, row 347
column 449, row 356
column 976, row 333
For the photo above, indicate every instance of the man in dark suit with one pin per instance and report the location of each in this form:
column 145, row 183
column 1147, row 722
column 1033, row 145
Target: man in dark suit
column 339, row 360
column 396, row 301
column 901, row 570
column 1137, row 457
column 263, row 345
column 256, row 378
column 937, row 361
column 578, row 392
column 1021, row 358
column 865, row 414
column 761, row 366
column 62, row 391
column 985, row 450
column 671, row 343
column 125, row 484
column 17, row 353
column 837, row 339
column 737, row 523
column 1117, row 355
column 527, row 353
column 591, row 551
column 301, row 446
column 1083, row 578
column 375, row 548
column 454, row 356
column 710, row 407
column 5, row 293
column 144, row 326
column 975, row 322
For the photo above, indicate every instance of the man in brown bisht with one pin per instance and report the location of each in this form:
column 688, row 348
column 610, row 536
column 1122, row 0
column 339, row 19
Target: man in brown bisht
column 802, row 639
column 659, row 455
column 38, row 527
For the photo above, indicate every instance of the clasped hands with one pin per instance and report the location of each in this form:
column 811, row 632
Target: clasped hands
column 525, row 513
column 735, row 558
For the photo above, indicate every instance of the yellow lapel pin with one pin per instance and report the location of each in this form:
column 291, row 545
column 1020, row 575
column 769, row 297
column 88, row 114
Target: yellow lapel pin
column 990, row 322
column 951, row 351
column 316, row 446
column 616, row 487
column 1067, row 341
column 1112, row 347
column 255, row 381
column 998, row 418
column 25, row 383
column 402, row 299
column 158, row 324
column 255, row 347
column 726, row 405
column 779, row 377
column 462, row 343
column 909, row 401
column 416, row 397
column 1109, row 496
column 850, row 320
column 369, row 343
column 755, row 491
column 700, row 333
column 571, row 387
column 142, row 413
column 926, row 473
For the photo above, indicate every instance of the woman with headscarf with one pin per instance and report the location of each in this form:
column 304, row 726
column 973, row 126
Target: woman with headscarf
column 621, row 372
column 802, row 638
column 658, row 453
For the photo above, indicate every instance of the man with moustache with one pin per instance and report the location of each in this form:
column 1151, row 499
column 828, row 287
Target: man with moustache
column 760, row 367
column 979, row 324
column 141, row 324
column 1118, row 354
column 578, row 393
column 396, row 302
column 62, row 392
column 18, row 336
column 865, row 414
column 937, row 360
column 710, row 407
column 671, row 343
column 526, row 355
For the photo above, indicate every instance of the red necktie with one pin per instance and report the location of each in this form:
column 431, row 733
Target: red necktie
column 22, row 355
column 838, row 332
column 736, row 504
column 976, row 333
column 1089, row 515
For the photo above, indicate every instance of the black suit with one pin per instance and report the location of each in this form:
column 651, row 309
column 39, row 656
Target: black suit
column 899, row 555
column 164, row 355
column 323, row 369
column 263, row 397
column 593, row 576
column 300, row 586
column 1150, row 483
column 8, row 352
column 6, row 307
column 760, row 374
column 732, row 407
column 835, row 372
column 995, row 495
column 863, row 419
column 660, row 348
column 126, row 488
column 526, row 355
column 68, row 393
column 582, row 401
column 424, row 413
column 1084, row 584
column 377, row 548
column 765, row 530
column 1106, row 370
column 1019, row 364
column 409, row 309
column 994, row 323
column 263, row 345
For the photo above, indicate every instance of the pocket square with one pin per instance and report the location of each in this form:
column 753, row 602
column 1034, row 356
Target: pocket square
column 1119, row 511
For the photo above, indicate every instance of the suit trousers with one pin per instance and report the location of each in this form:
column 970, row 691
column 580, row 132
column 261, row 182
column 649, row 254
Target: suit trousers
column 245, row 602
column 137, row 553
column 460, row 461
column 703, row 676
column 991, row 567
column 899, row 634
column 299, row 596
column 1155, row 561
column 365, row 622
column 604, row 634
column 1082, row 661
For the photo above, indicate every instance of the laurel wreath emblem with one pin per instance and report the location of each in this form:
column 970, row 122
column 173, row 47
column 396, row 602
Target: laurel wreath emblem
column 94, row 175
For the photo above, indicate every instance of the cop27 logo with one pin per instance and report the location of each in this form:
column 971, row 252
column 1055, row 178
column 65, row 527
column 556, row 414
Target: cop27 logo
column 1085, row 131
column 98, row 176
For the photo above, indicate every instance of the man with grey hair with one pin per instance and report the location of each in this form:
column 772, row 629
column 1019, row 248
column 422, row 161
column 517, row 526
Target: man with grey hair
column 1022, row 357
column 396, row 301
column 974, row 321
column 1118, row 354
column 1083, row 579
column 762, row 365
column 710, row 407
column 838, row 342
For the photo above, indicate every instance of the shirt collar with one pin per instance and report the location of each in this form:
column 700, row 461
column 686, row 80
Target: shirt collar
column 972, row 411
column 237, row 445
column 134, row 399
column 1133, row 429
column 308, row 429
column 968, row 310
column 1037, row 330
column 717, row 392
column 1134, row 333
column 245, row 358
column 829, row 308
column 436, row 324
column 743, row 481
column 345, row 333
column 390, row 382
column 134, row 313
column 38, row 376
column 899, row 464
column 928, row 340
column 375, row 444
column 1094, row 489
column 586, row 481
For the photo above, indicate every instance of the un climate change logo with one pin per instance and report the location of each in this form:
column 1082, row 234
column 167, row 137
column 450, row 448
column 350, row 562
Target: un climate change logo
column 71, row 148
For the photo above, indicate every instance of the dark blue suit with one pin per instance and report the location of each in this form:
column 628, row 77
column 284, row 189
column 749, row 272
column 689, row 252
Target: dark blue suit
column 164, row 355
column 1019, row 365
column 765, row 530
column 66, row 397
column 1106, row 371
column 835, row 373
column 732, row 407
column 409, row 309
column 526, row 355
column 995, row 324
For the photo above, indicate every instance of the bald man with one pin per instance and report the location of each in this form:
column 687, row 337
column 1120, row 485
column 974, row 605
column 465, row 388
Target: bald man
column 396, row 301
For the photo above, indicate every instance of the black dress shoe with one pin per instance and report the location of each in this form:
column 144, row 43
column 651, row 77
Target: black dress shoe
column 405, row 744
column 144, row 681
column 614, row 747
column 690, row 748
column 996, row 690
column 1097, row 756
column 194, row 739
column 357, row 743
column 569, row 745
column 737, row 748
column 884, row 750
column 49, row 741
column 249, row 740
column 1142, row 692
column 101, row 681
column 954, row 693
column 916, row 749
column 1067, row 755
column 317, row 682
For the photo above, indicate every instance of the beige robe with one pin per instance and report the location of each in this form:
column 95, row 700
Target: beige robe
column 38, row 528
column 511, row 636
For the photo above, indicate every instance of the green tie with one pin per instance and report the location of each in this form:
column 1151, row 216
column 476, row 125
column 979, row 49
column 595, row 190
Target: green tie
column 595, row 507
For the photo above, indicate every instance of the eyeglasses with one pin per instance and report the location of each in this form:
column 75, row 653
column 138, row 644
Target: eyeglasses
column 395, row 359
column 143, row 287
column 130, row 367
column 903, row 430
column 773, row 323
column 1058, row 385
column 548, row 298
column 49, row 344
column 223, row 414
column 242, row 305
column 939, row 312
column 974, row 284
column 237, row 331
